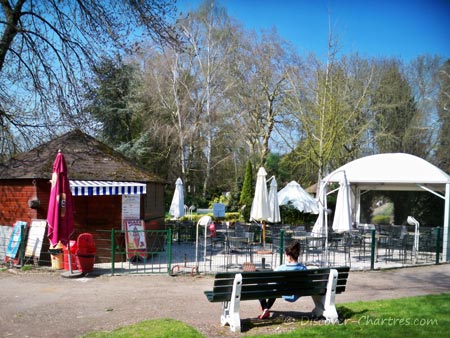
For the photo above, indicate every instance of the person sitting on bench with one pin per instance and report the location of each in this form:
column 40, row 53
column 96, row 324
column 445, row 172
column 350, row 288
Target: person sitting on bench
column 292, row 253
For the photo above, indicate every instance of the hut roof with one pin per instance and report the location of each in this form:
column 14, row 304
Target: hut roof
column 86, row 158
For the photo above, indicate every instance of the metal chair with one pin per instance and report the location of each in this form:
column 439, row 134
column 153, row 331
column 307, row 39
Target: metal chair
column 315, row 247
column 340, row 243
column 397, row 242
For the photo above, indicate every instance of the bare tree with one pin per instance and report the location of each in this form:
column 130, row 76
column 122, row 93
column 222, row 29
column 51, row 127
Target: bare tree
column 423, row 77
column 46, row 47
column 167, row 79
column 442, row 153
column 209, row 35
column 263, row 86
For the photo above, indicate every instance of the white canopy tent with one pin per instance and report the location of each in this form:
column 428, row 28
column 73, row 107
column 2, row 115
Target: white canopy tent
column 294, row 194
column 395, row 172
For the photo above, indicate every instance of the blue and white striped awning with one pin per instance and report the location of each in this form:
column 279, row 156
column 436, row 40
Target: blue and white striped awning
column 100, row 188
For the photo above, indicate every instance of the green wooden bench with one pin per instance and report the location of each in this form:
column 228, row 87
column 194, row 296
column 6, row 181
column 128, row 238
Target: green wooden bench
column 321, row 284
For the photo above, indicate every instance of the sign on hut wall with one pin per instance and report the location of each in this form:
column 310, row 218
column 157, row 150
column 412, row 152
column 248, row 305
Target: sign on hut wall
column 131, row 208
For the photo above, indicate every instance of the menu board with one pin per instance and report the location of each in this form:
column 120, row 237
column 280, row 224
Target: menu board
column 131, row 207
column 36, row 234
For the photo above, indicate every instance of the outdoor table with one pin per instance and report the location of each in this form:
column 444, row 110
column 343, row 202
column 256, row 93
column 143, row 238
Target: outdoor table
column 302, row 239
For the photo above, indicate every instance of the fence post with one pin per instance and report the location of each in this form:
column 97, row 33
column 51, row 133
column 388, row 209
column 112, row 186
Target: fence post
column 281, row 246
column 169, row 250
column 23, row 230
column 113, row 251
column 438, row 244
column 372, row 249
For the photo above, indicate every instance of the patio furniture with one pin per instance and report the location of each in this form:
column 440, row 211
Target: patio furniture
column 340, row 243
column 397, row 243
column 315, row 248
column 240, row 245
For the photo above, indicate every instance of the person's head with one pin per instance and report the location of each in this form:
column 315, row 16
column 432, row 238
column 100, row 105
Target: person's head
column 293, row 250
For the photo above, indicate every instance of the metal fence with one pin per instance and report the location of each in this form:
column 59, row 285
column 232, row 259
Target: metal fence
column 178, row 250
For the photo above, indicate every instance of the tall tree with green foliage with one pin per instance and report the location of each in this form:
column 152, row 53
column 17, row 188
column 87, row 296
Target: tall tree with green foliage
column 109, row 101
column 247, row 191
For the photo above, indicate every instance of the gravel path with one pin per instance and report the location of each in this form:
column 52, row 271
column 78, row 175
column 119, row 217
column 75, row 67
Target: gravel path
column 43, row 304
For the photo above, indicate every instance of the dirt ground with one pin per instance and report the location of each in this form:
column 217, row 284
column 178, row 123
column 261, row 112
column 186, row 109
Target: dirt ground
column 44, row 304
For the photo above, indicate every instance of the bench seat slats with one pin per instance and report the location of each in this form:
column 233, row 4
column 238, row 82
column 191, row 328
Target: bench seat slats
column 322, row 284
column 275, row 284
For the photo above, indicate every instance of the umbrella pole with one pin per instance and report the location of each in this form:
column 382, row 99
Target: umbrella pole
column 71, row 273
column 264, row 233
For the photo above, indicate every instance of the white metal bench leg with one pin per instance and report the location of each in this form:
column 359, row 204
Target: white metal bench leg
column 230, row 310
column 325, row 305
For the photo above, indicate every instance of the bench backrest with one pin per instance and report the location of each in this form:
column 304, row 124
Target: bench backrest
column 274, row 284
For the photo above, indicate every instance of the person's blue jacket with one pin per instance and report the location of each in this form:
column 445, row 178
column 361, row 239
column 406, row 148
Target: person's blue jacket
column 291, row 267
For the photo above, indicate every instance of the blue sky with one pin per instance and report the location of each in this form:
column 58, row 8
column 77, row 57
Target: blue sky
column 403, row 29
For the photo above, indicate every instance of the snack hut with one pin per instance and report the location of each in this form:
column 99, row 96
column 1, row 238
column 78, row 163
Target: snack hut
column 109, row 190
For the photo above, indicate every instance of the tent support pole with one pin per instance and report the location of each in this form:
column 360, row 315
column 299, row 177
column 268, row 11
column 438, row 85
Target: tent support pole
column 445, row 248
column 431, row 191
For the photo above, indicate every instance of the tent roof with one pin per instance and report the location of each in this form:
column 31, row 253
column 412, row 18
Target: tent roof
column 301, row 200
column 391, row 171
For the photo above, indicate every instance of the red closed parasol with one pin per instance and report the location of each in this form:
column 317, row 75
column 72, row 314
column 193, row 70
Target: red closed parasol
column 60, row 207
column 60, row 210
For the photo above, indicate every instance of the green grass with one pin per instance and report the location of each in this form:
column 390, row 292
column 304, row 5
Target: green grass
column 158, row 328
column 424, row 316
column 27, row 267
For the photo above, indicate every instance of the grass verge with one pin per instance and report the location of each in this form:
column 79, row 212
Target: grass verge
column 424, row 316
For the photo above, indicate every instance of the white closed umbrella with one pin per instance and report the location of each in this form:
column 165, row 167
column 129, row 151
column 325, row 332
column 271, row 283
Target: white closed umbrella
column 273, row 202
column 295, row 195
column 260, row 206
column 321, row 226
column 177, row 206
column 342, row 221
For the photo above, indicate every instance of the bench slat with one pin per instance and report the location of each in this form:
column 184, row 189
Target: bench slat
column 275, row 284
column 230, row 275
